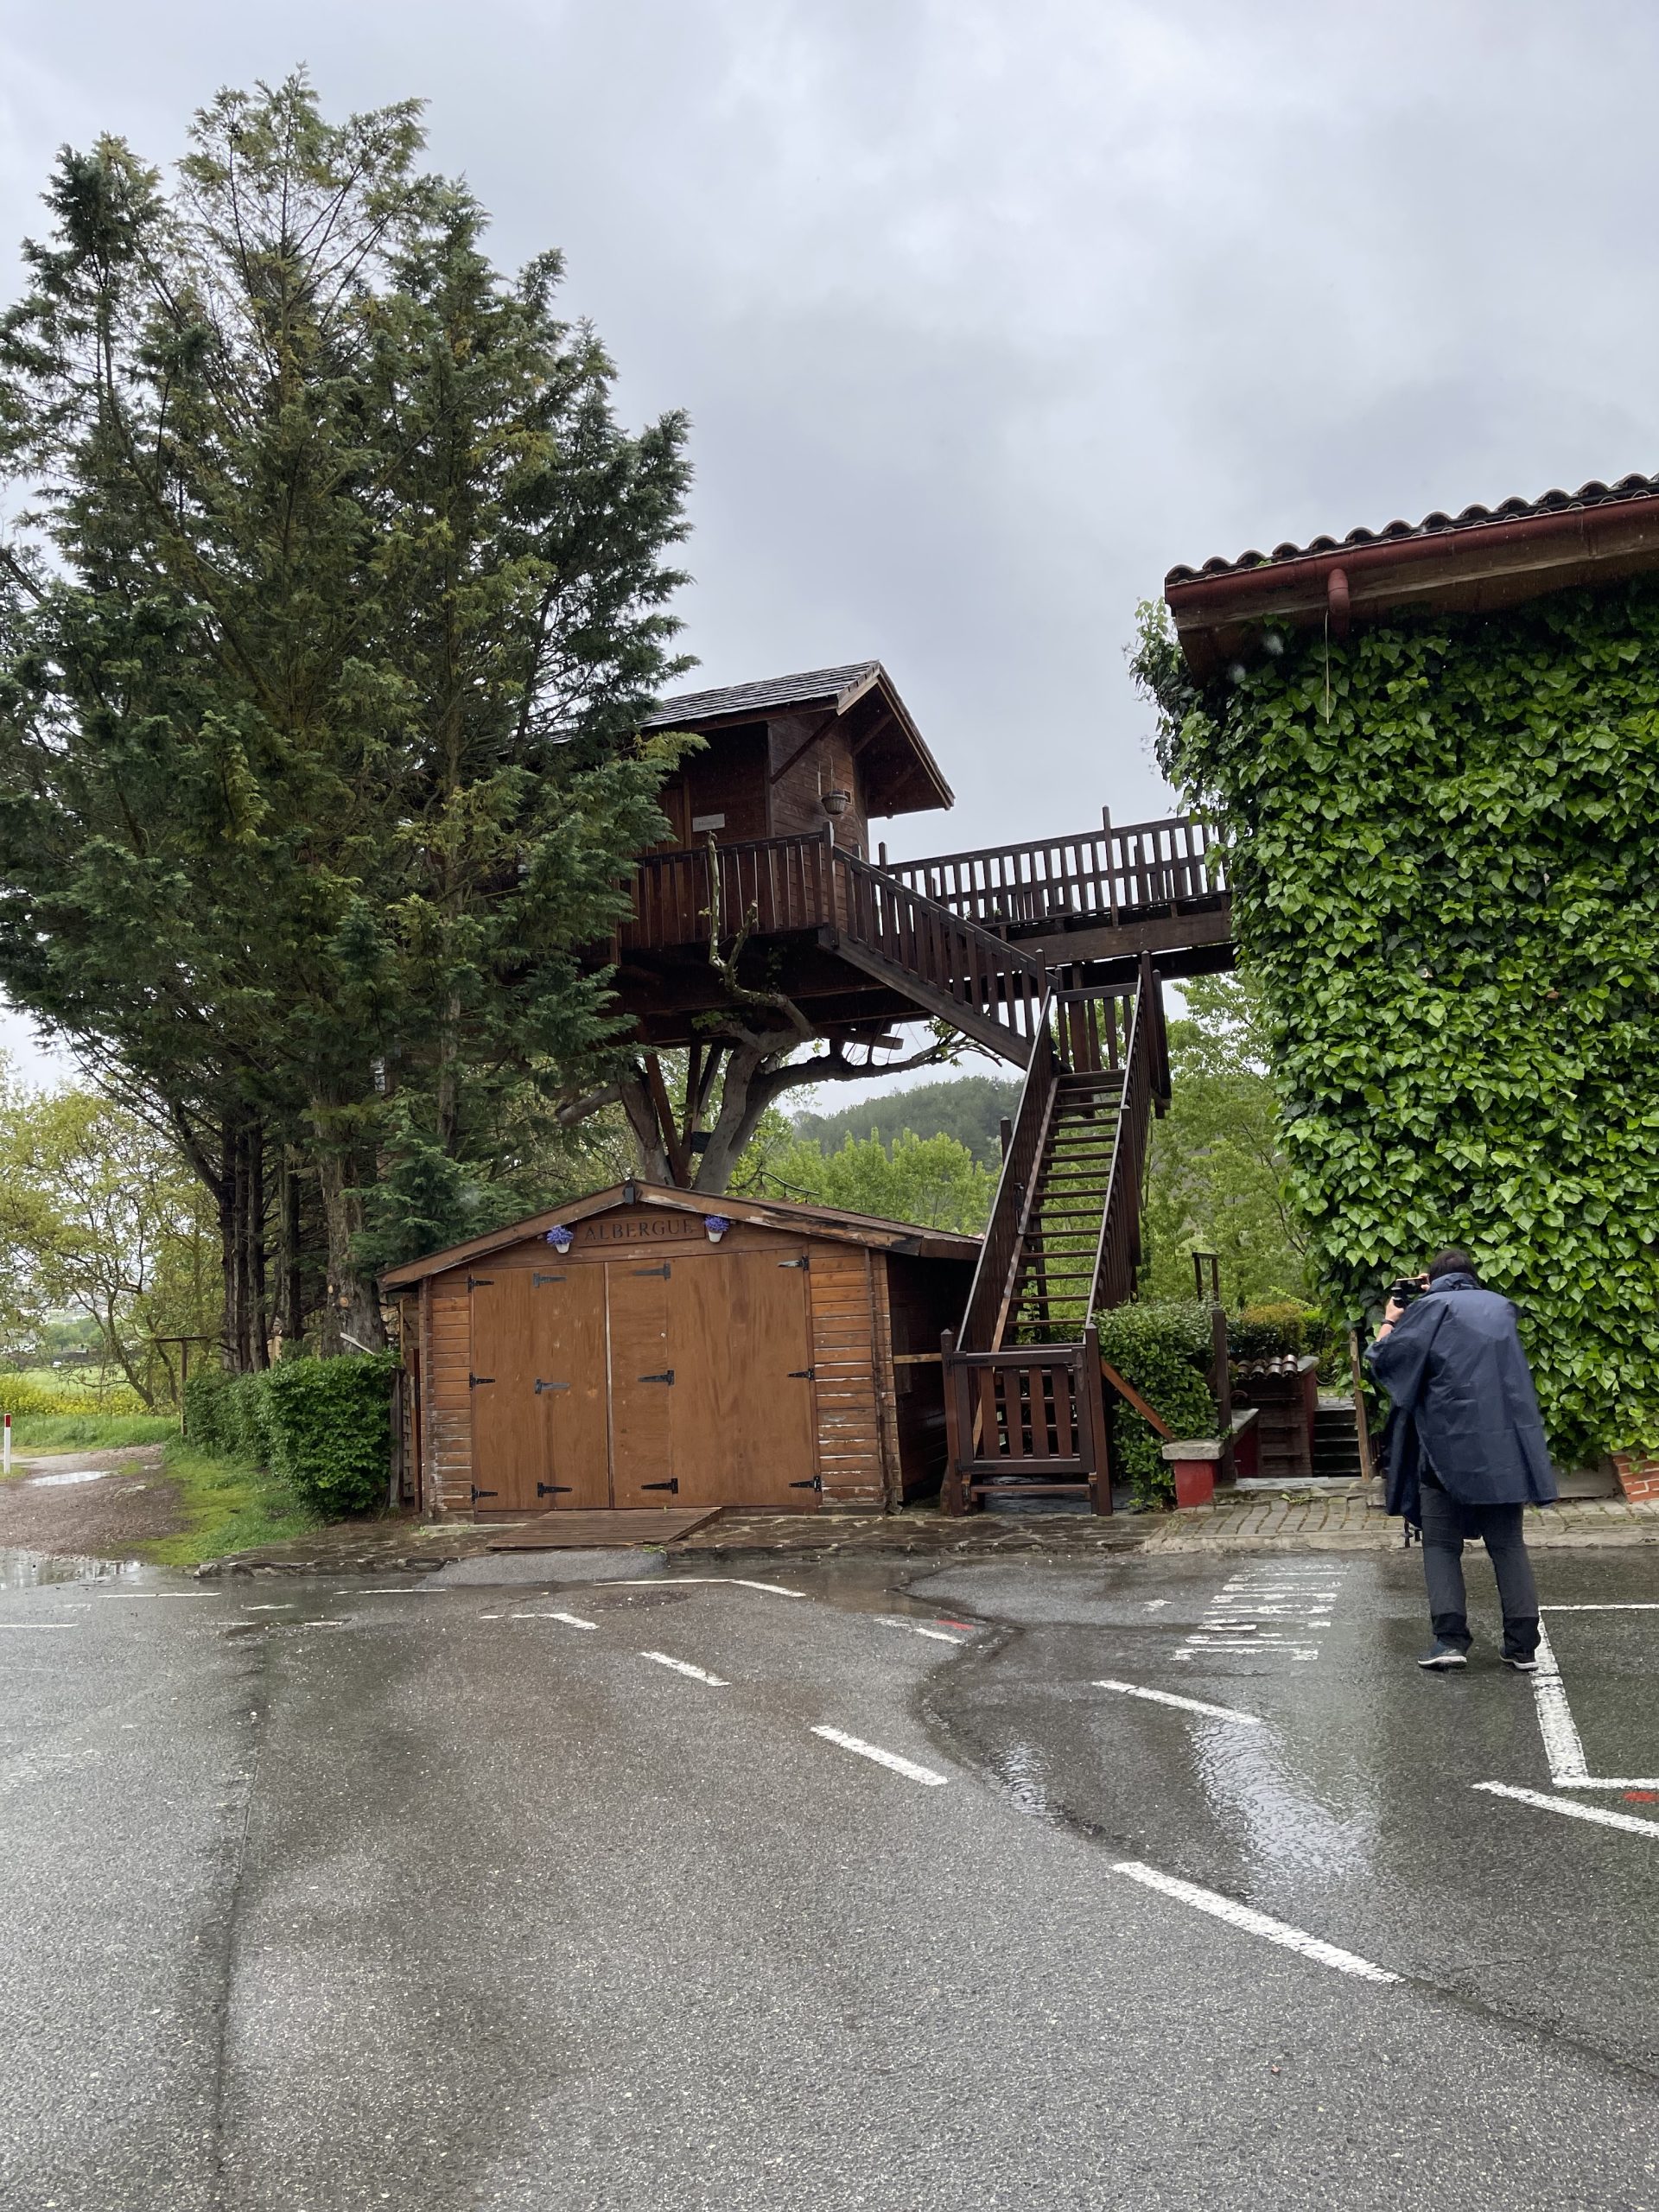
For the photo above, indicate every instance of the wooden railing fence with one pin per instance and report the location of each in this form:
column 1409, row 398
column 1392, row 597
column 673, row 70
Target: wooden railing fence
column 1033, row 1418
column 1107, row 874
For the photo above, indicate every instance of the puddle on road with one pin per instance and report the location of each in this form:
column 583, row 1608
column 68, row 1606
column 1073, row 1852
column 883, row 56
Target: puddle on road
column 30, row 1570
column 78, row 1475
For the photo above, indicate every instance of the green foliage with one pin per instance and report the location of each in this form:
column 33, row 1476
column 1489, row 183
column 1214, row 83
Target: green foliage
column 932, row 1180
column 969, row 1108
column 85, row 1432
column 335, row 595
column 321, row 1426
column 1217, row 1179
column 229, row 1505
column 1163, row 1348
column 1446, row 879
column 106, row 1224
column 1275, row 1330
column 330, row 1424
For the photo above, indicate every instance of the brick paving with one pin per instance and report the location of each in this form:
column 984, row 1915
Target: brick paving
column 1237, row 1521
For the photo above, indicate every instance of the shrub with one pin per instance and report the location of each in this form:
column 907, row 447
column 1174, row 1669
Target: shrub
column 329, row 1425
column 1273, row 1330
column 1163, row 1349
column 321, row 1426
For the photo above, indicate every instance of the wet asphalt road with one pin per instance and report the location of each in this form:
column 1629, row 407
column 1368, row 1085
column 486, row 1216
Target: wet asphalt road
column 321, row 1897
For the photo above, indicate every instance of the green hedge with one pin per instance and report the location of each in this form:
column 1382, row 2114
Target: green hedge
column 1163, row 1348
column 321, row 1426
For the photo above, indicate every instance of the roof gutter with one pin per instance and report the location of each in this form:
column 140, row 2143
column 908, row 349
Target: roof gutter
column 1492, row 564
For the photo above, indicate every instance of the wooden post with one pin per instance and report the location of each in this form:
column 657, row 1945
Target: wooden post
column 952, row 1496
column 1092, row 1408
column 1362, row 1427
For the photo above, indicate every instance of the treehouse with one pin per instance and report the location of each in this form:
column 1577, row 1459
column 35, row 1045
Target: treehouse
column 770, row 865
column 766, row 895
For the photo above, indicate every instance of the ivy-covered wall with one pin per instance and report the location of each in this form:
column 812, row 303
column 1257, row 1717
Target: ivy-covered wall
column 1445, row 871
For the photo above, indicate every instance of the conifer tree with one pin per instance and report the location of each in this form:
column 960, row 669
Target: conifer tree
column 337, row 596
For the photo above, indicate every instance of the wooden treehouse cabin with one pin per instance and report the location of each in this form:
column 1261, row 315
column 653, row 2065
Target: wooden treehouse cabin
column 1050, row 952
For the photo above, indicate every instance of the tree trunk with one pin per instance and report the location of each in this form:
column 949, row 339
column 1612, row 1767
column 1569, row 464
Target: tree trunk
column 351, row 1313
column 651, row 1154
column 229, row 1253
column 253, row 1249
column 292, row 1289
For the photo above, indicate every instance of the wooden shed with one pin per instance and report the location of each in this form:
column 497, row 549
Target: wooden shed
column 617, row 1352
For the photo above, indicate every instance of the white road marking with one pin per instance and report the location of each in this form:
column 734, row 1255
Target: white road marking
column 1187, row 1704
column 1154, row 1604
column 570, row 1620
column 938, row 1634
column 179, row 1597
column 40, row 1623
column 1562, row 1745
column 1244, row 1614
column 684, row 1666
column 1569, row 1806
column 287, row 1606
column 1253, row 1922
column 702, row 1581
column 381, row 1590
column 908, row 1768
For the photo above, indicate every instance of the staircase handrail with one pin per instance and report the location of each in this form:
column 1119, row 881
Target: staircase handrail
column 995, row 971
column 1117, row 1255
column 998, row 1251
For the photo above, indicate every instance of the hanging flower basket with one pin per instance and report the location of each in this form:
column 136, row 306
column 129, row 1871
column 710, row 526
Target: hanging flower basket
column 560, row 1237
column 716, row 1224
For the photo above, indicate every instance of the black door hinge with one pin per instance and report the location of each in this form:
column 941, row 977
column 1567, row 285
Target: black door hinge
column 803, row 1262
column 803, row 1374
column 472, row 1381
column 552, row 1490
column 817, row 1483
column 662, row 1271
column 535, row 1280
column 667, row 1376
column 541, row 1386
column 673, row 1483
column 478, row 1493
column 480, row 1282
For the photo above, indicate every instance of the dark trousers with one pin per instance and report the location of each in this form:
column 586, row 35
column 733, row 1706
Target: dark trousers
column 1446, row 1525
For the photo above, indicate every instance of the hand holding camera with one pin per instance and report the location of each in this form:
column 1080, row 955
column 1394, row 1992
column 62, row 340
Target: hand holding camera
column 1405, row 1293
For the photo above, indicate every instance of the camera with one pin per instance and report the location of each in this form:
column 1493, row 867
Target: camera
column 1406, row 1290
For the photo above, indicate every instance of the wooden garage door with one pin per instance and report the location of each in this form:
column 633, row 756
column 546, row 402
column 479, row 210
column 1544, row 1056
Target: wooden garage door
column 742, row 1404
column 567, row 1333
column 642, row 1382
column 506, row 1416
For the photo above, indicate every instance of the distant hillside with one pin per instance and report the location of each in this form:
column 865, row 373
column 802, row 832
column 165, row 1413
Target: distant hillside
column 966, row 1107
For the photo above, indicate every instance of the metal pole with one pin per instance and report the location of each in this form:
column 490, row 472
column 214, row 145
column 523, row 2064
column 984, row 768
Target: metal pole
column 7, row 1468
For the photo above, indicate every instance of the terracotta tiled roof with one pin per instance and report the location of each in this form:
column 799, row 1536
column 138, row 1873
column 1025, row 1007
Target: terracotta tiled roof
column 1593, row 494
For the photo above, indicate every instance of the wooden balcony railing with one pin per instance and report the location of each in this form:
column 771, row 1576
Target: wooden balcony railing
column 1107, row 874
column 788, row 881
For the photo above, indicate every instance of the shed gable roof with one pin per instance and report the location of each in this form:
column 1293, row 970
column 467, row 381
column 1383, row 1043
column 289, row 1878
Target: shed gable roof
column 904, row 1237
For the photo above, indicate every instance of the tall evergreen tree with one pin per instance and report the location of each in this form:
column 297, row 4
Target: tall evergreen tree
column 338, row 594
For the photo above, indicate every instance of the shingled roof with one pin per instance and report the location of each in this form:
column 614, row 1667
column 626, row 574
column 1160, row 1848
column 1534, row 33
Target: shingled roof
column 1476, row 561
column 901, row 776
column 814, row 687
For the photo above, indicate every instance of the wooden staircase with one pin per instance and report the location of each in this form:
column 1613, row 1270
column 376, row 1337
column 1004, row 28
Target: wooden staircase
column 945, row 963
column 1024, row 1408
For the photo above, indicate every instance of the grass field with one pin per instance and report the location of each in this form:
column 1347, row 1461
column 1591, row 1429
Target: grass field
column 89, row 1431
column 229, row 1506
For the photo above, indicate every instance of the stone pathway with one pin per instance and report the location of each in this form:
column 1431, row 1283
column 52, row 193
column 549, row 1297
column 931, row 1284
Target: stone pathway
column 1238, row 1521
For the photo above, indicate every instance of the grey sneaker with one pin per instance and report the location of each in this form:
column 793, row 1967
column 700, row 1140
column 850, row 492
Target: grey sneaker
column 1528, row 1665
column 1445, row 1654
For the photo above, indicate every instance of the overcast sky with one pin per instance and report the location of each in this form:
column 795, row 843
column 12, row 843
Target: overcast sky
column 987, row 312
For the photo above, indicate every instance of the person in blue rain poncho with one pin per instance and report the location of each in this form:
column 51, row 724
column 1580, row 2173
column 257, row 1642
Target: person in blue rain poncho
column 1466, row 1449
